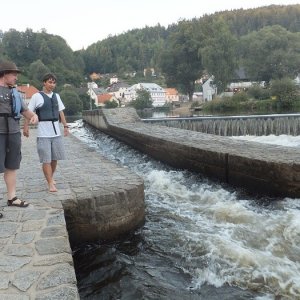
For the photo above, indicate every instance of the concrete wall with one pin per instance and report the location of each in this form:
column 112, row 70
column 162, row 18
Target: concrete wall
column 106, row 199
column 259, row 168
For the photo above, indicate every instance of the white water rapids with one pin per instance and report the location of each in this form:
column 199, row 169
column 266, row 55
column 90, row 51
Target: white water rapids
column 216, row 234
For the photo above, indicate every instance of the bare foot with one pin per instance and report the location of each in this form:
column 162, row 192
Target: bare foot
column 52, row 188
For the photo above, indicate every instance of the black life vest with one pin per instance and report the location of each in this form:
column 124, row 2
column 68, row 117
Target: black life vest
column 49, row 110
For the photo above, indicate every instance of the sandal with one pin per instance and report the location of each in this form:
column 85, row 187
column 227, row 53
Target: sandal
column 21, row 204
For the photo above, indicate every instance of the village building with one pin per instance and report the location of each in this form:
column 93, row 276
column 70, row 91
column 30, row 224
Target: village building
column 27, row 92
column 102, row 99
column 209, row 89
column 157, row 93
column 172, row 95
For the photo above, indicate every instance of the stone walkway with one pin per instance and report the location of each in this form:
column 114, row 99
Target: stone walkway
column 99, row 198
column 35, row 254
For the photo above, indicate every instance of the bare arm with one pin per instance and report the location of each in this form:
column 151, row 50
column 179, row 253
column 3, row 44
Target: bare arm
column 26, row 128
column 30, row 118
column 64, row 122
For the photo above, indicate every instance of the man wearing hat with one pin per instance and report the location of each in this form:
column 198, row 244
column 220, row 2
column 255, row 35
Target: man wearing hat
column 11, row 108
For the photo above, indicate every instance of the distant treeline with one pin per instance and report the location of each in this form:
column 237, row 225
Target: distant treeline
column 263, row 41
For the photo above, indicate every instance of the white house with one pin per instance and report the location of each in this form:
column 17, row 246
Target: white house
column 157, row 93
column 209, row 89
column 118, row 89
column 113, row 79
column 94, row 91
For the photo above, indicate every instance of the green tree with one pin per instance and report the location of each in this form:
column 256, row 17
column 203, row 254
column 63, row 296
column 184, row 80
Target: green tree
column 36, row 72
column 285, row 91
column 271, row 53
column 143, row 100
column 181, row 62
column 86, row 102
column 71, row 101
column 218, row 54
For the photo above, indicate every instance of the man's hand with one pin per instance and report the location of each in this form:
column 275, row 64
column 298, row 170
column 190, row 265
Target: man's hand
column 26, row 131
column 34, row 119
column 66, row 130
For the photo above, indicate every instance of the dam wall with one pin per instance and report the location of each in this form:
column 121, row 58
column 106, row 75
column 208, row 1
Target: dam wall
column 257, row 168
column 259, row 125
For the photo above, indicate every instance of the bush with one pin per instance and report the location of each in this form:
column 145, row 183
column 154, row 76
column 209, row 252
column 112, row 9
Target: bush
column 111, row 104
column 195, row 104
column 285, row 91
column 259, row 93
column 240, row 97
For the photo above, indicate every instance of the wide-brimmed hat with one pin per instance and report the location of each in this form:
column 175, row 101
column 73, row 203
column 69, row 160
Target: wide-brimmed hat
column 8, row 66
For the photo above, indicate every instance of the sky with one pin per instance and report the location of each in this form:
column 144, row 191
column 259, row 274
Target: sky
column 82, row 23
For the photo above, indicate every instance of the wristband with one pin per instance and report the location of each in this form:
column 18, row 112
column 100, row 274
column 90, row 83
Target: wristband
column 66, row 126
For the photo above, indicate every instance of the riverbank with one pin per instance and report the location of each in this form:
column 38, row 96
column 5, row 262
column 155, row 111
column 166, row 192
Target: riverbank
column 183, row 110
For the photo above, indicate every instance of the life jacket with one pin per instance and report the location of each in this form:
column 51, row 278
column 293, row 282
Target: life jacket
column 15, row 107
column 49, row 110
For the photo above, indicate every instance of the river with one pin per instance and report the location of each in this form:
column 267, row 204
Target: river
column 201, row 240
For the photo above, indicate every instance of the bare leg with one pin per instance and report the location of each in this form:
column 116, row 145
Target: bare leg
column 48, row 173
column 53, row 167
column 10, row 178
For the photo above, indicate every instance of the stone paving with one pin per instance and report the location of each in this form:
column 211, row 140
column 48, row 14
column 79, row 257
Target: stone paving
column 35, row 255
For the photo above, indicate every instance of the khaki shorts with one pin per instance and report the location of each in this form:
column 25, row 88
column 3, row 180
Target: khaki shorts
column 10, row 159
column 50, row 149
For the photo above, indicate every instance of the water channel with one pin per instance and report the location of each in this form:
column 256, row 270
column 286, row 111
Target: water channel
column 201, row 240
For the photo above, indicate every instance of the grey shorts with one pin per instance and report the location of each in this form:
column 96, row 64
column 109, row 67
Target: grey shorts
column 11, row 159
column 50, row 149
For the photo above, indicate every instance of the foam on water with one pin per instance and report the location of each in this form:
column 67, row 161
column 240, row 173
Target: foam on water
column 244, row 245
column 282, row 140
column 216, row 236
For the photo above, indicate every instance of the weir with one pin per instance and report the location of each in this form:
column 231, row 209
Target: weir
column 258, row 168
column 259, row 125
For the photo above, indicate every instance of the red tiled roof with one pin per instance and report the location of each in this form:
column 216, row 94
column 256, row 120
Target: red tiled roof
column 103, row 98
column 171, row 91
column 28, row 90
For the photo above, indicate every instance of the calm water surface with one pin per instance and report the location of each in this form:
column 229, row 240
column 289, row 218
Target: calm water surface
column 201, row 240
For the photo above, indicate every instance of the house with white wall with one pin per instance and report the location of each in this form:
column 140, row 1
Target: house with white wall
column 157, row 93
column 113, row 79
column 209, row 89
column 118, row 89
column 94, row 93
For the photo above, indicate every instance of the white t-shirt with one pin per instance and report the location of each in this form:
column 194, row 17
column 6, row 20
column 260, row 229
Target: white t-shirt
column 45, row 128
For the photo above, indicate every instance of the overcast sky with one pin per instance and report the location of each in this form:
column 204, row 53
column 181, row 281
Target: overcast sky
column 82, row 23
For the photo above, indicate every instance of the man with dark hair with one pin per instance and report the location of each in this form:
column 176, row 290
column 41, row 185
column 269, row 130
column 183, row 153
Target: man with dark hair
column 49, row 76
column 49, row 108
column 11, row 108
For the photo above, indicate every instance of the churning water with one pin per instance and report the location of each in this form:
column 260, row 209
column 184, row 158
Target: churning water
column 201, row 240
